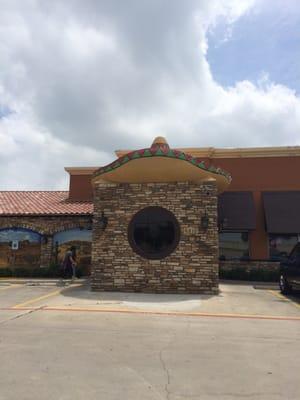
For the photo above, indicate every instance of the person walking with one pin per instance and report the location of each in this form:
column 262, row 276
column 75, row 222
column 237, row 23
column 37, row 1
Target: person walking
column 69, row 263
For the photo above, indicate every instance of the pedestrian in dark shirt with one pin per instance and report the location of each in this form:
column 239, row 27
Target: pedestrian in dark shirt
column 69, row 263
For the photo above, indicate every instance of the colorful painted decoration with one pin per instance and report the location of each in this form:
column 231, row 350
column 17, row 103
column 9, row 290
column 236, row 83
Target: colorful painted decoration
column 160, row 148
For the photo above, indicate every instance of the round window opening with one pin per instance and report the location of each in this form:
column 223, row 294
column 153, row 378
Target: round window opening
column 154, row 233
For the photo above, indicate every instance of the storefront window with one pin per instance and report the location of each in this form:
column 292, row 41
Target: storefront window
column 153, row 233
column 19, row 248
column 82, row 235
column 81, row 240
column 233, row 245
column 19, row 234
column 281, row 245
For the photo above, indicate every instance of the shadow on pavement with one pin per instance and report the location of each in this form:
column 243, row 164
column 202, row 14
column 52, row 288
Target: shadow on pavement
column 295, row 297
column 85, row 293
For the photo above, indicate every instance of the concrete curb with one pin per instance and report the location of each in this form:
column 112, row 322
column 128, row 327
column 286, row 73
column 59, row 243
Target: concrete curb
column 67, row 282
column 41, row 282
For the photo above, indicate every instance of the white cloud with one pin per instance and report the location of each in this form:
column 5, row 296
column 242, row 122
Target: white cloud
column 32, row 158
column 85, row 78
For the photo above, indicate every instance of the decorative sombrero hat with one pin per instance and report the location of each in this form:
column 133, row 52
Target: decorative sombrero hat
column 159, row 163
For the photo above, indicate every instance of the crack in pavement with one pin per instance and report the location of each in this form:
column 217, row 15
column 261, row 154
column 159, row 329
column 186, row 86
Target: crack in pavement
column 164, row 366
column 146, row 383
column 21, row 315
column 123, row 365
column 168, row 393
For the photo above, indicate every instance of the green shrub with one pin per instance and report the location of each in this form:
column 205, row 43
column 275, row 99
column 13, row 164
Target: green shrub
column 5, row 272
column 36, row 272
column 254, row 274
column 53, row 271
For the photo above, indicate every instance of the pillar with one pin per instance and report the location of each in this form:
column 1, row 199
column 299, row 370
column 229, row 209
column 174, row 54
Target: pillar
column 259, row 243
column 46, row 250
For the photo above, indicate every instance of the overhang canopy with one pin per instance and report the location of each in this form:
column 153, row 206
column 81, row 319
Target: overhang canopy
column 236, row 211
column 282, row 211
column 160, row 163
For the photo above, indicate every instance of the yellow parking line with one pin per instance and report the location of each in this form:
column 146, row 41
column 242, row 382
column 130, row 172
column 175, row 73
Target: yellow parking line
column 46, row 296
column 35, row 299
column 10, row 287
column 166, row 313
column 280, row 296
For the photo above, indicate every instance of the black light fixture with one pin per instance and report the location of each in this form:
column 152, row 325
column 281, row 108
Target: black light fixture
column 44, row 239
column 103, row 221
column 204, row 221
column 223, row 224
column 90, row 223
column 56, row 251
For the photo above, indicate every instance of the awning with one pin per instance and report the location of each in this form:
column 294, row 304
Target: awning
column 282, row 211
column 236, row 211
column 159, row 163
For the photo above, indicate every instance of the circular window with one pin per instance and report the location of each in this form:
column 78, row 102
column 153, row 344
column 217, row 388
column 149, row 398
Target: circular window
column 153, row 233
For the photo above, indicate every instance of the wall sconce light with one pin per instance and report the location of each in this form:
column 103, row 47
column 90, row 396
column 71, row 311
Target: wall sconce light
column 90, row 222
column 103, row 221
column 223, row 224
column 44, row 239
column 204, row 221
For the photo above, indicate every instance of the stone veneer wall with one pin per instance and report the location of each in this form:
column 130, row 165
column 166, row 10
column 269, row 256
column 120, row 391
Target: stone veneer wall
column 251, row 270
column 191, row 268
column 46, row 226
column 250, row 265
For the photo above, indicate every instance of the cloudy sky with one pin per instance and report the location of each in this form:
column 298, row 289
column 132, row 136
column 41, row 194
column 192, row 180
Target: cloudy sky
column 79, row 79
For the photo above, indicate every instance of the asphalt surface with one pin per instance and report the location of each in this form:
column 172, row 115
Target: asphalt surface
column 70, row 343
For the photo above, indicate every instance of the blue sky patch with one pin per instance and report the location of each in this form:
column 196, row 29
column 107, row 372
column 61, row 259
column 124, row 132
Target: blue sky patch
column 5, row 111
column 264, row 41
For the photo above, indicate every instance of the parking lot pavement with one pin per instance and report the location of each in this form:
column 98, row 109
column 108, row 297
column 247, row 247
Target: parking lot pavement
column 233, row 300
column 58, row 343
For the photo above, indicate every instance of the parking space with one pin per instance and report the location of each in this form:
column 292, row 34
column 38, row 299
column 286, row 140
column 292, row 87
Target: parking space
column 12, row 295
column 70, row 343
column 233, row 300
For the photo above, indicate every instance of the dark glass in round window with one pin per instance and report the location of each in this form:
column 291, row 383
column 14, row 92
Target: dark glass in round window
column 154, row 232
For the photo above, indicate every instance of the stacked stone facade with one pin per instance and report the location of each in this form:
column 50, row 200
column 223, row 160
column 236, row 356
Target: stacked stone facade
column 250, row 265
column 193, row 265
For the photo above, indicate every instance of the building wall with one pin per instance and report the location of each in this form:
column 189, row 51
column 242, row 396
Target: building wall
column 80, row 188
column 256, row 174
column 261, row 174
column 250, row 270
column 191, row 268
column 46, row 226
column 249, row 265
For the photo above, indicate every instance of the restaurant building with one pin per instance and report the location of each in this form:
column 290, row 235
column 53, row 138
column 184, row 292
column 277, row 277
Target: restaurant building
column 253, row 215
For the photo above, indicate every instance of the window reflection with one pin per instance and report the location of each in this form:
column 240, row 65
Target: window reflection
column 153, row 232
column 154, row 238
column 233, row 245
column 81, row 240
column 280, row 246
column 19, row 248
column 19, row 234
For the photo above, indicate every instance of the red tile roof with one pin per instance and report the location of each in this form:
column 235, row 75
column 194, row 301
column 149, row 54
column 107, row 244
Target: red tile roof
column 41, row 203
